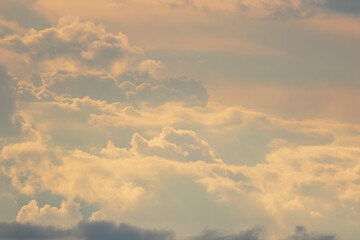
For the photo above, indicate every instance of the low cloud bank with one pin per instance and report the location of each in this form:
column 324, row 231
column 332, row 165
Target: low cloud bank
column 110, row 231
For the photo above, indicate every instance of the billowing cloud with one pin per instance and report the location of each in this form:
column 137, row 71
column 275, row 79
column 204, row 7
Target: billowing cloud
column 71, row 45
column 67, row 216
column 78, row 86
column 175, row 145
column 312, row 181
column 33, row 167
column 78, row 59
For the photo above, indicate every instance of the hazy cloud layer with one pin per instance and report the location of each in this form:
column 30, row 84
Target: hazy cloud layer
column 302, row 8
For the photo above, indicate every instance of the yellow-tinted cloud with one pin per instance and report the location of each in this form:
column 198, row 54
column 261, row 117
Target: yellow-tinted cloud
column 67, row 216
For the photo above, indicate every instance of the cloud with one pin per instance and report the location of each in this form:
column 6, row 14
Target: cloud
column 12, row 231
column 71, row 45
column 67, row 216
column 9, row 28
column 83, row 231
column 302, row 234
column 110, row 231
column 252, row 234
column 35, row 167
column 228, row 6
column 159, row 129
column 131, row 88
column 345, row 6
column 154, row 68
column 106, row 230
column 174, row 144
column 311, row 181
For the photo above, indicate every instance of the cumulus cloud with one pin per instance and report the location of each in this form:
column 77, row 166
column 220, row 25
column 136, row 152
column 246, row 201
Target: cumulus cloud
column 78, row 59
column 313, row 181
column 158, row 129
column 71, row 45
column 34, row 167
column 67, row 216
column 174, row 144
column 154, row 68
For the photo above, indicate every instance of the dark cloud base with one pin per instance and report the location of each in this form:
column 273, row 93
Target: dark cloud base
column 110, row 231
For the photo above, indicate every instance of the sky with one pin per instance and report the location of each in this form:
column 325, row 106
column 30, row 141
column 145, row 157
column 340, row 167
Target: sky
column 180, row 119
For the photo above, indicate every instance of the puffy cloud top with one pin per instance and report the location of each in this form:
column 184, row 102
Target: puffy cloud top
column 72, row 42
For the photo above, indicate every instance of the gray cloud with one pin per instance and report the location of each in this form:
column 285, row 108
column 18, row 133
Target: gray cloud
column 302, row 234
column 84, row 231
column 110, row 231
column 346, row 6
column 252, row 234
column 17, row 231
column 287, row 9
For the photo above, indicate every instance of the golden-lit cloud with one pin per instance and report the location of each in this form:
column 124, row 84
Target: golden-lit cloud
column 94, row 128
